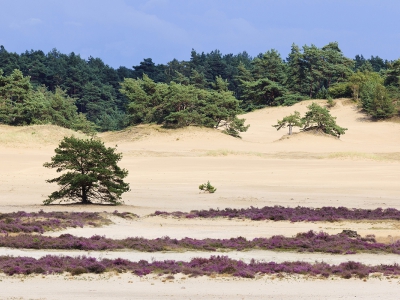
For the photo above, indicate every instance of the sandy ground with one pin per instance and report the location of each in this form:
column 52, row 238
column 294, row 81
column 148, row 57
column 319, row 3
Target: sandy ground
column 128, row 286
column 246, row 256
column 154, row 227
column 265, row 167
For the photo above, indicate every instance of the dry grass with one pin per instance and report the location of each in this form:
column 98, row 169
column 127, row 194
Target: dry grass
column 393, row 156
column 133, row 133
column 314, row 132
column 388, row 157
column 26, row 136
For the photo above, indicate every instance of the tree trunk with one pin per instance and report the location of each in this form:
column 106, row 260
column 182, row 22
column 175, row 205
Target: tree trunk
column 84, row 196
column 290, row 129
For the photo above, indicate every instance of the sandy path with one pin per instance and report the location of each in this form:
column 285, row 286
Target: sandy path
column 127, row 286
column 246, row 256
column 156, row 227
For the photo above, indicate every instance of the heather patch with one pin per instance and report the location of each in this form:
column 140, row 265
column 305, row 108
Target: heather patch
column 196, row 267
column 23, row 222
column 303, row 242
column 295, row 214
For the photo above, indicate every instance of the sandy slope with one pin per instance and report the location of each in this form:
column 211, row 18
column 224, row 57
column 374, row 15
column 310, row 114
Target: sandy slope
column 265, row 167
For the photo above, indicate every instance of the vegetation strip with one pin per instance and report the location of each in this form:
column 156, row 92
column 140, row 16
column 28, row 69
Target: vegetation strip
column 296, row 214
column 41, row 221
column 210, row 90
column 302, row 242
column 196, row 267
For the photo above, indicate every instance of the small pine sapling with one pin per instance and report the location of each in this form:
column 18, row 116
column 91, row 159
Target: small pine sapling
column 330, row 102
column 289, row 121
column 207, row 187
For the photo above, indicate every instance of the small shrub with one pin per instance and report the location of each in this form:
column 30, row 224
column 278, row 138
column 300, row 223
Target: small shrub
column 78, row 271
column 330, row 102
column 96, row 268
column 207, row 187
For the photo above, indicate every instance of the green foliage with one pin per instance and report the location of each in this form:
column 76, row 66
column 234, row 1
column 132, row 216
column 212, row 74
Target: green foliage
column 207, row 187
column 393, row 74
column 369, row 89
column 234, row 126
column 262, row 92
column 319, row 118
column 289, row 99
column 330, row 102
column 94, row 87
column 308, row 73
column 92, row 173
column 15, row 90
column 322, row 93
column 373, row 64
column 392, row 80
column 393, row 93
column 83, row 125
column 312, row 68
column 375, row 100
column 289, row 121
column 340, row 90
column 176, row 105
column 269, row 65
column 21, row 104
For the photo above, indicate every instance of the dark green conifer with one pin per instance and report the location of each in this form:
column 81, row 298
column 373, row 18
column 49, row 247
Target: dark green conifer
column 92, row 174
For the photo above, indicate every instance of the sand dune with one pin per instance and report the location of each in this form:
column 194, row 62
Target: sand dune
column 265, row 167
column 166, row 166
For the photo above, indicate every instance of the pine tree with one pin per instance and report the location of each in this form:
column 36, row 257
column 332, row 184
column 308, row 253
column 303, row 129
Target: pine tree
column 319, row 118
column 289, row 121
column 92, row 172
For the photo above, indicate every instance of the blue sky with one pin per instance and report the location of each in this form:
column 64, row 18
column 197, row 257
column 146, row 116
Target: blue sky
column 124, row 32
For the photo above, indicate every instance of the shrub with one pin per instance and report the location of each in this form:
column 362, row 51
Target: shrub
column 293, row 214
column 330, row 102
column 78, row 271
column 289, row 121
column 303, row 242
column 195, row 267
column 207, row 187
column 319, row 118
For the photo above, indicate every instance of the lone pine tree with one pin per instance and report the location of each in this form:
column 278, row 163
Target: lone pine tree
column 92, row 174
column 289, row 121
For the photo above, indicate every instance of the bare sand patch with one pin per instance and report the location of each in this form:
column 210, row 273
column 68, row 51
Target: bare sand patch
column 222, row 228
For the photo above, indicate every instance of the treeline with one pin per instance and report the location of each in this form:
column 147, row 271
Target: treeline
column 210, row 89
